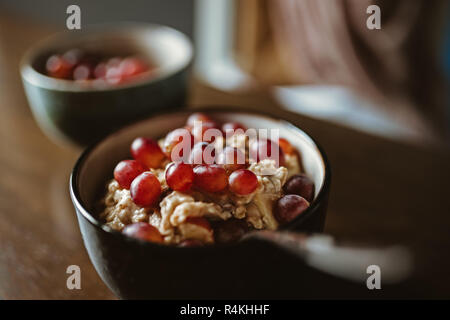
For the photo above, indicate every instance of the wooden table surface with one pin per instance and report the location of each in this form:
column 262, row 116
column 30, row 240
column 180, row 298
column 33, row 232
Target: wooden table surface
column 382, row 191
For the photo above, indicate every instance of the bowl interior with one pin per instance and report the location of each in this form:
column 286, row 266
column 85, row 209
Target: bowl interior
column 167, row 49
column 97, row 165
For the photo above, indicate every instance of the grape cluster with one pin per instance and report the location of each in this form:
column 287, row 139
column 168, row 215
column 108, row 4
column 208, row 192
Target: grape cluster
column 81, row 66
column 203, row 170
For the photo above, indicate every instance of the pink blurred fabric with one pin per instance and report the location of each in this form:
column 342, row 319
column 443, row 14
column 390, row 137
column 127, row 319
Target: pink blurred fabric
column 327, row 42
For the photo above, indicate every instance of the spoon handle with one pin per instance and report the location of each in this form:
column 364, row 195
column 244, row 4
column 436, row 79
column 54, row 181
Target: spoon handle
column 349, row 262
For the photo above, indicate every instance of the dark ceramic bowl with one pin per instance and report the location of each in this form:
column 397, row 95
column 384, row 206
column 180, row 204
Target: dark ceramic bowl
column 248, row 269
column 81, row 113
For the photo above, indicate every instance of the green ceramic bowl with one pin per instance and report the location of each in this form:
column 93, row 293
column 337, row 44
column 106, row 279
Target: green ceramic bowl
column 80, row 113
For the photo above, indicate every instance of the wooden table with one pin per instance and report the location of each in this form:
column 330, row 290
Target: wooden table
column 382, row 191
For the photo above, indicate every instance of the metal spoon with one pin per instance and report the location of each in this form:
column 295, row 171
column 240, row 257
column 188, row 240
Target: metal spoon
column 349, row 262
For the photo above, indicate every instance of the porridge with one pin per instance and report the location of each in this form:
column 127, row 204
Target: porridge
column 206, row 183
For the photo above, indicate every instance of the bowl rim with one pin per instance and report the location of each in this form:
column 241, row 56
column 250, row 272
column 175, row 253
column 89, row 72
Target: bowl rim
column 38, row 79
column 81, row 207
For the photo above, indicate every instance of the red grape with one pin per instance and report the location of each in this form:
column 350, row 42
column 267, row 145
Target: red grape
column 289, row 207
column 73, row 56
column 198, row 116
column 179, row 176
column 230, row 230
column 143, row 231
column 286, row 146
column 82, row 72
column 77, row 65
column 147, row 152
column 113, row 75
column 58, row 67
column 243, row 182
column 100, row 70
column 232, row 127
column 113, row 62
column 126, row 171
column 206, row 131
column 112, row 71
column 210, row 178
column 132, row 66
column 301, row 185
column 202, row 153
column 178, row 144
column 188, row 128
column 191, row 243
column 145, row 189
column 267, row 149
column 232, row 159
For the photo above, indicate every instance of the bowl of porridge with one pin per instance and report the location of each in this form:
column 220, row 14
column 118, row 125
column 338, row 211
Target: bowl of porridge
column 164, row 205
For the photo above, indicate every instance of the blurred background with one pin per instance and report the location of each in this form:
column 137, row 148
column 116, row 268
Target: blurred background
column 376, row 100
column 317, row 58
